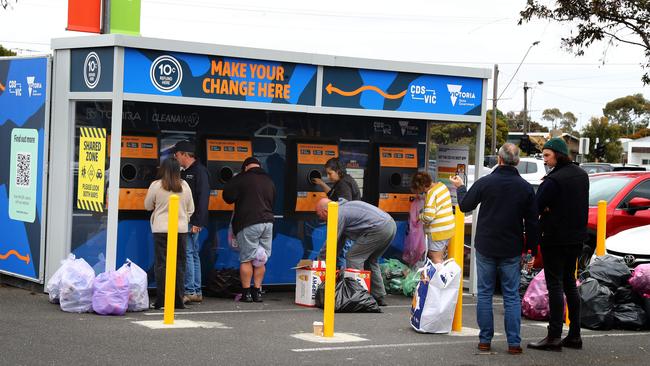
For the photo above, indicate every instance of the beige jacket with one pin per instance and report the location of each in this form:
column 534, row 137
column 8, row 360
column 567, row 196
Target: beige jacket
column 157, row 200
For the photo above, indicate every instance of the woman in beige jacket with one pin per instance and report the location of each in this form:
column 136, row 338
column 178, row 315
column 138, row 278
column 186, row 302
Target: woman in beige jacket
column 157, row 200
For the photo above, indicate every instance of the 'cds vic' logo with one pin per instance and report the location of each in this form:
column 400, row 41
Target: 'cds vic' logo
column 92, row 70
column 166, row 73
column 460, row 97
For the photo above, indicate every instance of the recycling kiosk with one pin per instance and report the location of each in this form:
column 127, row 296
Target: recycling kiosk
column 110, row 93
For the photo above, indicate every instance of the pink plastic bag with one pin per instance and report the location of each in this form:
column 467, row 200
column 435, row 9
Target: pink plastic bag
column 415, row 243
column 534, row 305
column 640, row 280
column 111, row 293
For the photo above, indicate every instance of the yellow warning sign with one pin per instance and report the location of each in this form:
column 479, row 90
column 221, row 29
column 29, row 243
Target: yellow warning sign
column 92, row 157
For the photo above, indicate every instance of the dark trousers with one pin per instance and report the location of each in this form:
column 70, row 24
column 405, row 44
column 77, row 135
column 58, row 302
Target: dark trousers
column 160, row 251
column 559, row 271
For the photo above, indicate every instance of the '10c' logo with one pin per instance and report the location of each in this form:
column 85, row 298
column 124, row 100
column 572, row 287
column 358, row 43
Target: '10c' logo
column 166, row 73
column 92, row 70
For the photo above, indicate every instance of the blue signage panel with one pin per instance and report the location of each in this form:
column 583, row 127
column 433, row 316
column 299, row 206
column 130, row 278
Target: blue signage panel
column 398, row 91
column 23, row 88
column 217, row 77
column 91, row 69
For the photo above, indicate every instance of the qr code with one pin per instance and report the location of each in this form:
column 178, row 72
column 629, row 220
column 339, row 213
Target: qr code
column 23, row 177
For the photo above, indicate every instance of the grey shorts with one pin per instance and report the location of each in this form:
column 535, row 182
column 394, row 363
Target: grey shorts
column 252, row 237
column 436, row 245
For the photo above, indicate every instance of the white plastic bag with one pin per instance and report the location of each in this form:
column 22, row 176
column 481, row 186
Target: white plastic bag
column 54, row 284
column 138, row 283
column 260, row 257
column 76, row 291
column 435, row 298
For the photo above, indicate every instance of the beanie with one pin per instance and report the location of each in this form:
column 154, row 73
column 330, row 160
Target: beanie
column 558, row 145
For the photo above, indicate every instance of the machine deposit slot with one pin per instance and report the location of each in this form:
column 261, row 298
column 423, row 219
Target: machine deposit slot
column 225, row 174
column 129, row 172
column 396, row 180
column 313, row 175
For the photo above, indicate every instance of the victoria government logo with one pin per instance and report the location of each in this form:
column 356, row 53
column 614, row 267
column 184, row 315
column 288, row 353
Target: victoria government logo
column 460, row 97
column 166, row 73
column 92, row 70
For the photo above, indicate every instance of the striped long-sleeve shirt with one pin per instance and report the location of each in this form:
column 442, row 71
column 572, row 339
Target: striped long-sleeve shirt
column 437, row 215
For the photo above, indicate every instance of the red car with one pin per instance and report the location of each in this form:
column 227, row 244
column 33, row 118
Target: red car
column 628, row 201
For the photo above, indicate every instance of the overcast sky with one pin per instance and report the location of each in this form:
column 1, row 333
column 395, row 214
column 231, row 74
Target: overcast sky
column 474, row 33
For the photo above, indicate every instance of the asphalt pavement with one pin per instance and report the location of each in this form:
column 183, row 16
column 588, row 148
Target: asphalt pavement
column 275, row 332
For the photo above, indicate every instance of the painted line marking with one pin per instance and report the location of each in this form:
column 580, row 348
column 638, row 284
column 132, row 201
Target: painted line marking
column 444, row 343
column 337, row 338
column 180, row 324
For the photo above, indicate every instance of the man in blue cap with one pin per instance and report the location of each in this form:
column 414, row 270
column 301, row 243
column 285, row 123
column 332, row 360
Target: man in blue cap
column 196, row 176
column 563, row 204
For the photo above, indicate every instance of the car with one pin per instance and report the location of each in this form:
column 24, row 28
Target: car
column 592, row 168
column 628, row 201
column 631, row 245
column 532, row 170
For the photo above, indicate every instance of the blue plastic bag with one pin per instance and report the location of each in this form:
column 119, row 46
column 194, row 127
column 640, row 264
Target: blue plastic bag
column 111, row 293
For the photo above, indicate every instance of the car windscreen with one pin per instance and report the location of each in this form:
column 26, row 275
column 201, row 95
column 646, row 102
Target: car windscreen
column 605, row 188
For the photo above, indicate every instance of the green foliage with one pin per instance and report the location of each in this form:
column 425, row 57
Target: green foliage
column 608, row 134
column 515, row 122
column 589, row 21
column 567, row 121
column 6, row 52
column 631, row 112
column 502, row 131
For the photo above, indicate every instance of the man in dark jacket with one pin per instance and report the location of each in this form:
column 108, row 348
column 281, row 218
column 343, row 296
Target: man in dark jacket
column 507, row 208
column 196, row 176
column 563, row 203
column 253, row 192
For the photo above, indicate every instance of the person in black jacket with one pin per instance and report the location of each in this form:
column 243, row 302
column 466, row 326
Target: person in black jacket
column 344, row 185
column 563, row 203
column 253, row 192
column 507, row 208
column 196, row 176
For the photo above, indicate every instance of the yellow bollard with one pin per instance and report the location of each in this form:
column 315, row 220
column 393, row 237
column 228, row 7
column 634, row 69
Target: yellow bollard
column 457, row 251
column 170, row 266
column 330, row 268
column 600, row 228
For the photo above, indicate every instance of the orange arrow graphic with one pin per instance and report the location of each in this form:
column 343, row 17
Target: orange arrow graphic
column 24, row 258
column 336, row 90
column 2, row 87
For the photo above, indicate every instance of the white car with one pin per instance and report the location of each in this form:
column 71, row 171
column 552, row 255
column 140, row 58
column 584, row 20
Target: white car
column 632, row 245
column 532, row 170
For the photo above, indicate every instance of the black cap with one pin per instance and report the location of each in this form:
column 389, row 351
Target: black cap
column 250, row 160
column 185, row 146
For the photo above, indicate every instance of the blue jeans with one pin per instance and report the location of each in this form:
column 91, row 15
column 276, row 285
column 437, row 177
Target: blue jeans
column 193, row 267
column 509, row 270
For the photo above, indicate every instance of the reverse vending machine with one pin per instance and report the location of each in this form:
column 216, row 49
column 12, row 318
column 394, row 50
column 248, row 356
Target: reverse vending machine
column 138, row 168
column 388, row 181
column 306, row 161
column 223, row 160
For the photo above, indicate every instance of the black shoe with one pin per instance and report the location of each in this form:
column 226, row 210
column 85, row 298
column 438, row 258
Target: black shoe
column 380, row 301
column 547, row 344
column 257, row 294
column 246, row 295
column 572, row 342
column 155, row 306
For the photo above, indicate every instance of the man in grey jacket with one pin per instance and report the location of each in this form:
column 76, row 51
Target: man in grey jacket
column 372, row 231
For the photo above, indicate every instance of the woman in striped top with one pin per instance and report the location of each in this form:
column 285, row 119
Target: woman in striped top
column 437, row 215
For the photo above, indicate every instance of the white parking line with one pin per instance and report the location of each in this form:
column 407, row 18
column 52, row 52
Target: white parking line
column 443, row 343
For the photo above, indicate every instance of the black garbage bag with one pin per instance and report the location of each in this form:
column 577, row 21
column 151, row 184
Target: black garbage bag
column 350, row 297
column 597, row 305
column 630, row 317
column 223, row 283
column 609, row 271
column 646, row 307
column 625, row 295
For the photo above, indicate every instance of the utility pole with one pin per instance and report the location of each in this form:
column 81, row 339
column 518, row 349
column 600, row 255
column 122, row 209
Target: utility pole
column 494, row 110
column 526, row 126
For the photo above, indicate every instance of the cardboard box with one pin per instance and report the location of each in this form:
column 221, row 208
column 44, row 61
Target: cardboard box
column 361, row 276
column 309, row 275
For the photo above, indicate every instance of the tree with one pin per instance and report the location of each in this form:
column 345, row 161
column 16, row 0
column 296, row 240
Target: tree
column 607, row 134
column 644, row 132
column 614, row 21
column 552, row 115
column 502, row 131
column 7, row 4
column 515, row 122
column 6, row 52
column 631, row 112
